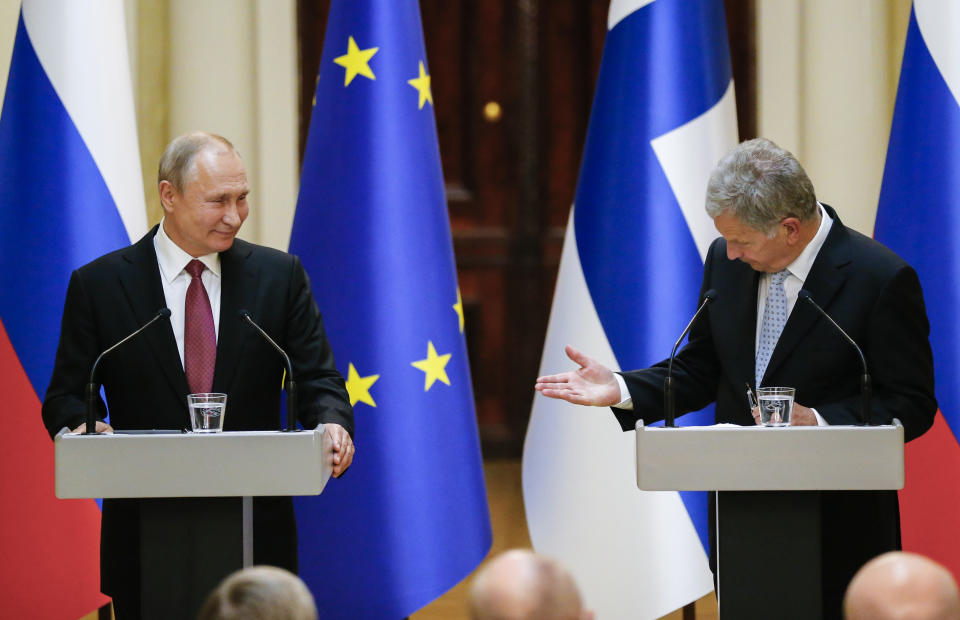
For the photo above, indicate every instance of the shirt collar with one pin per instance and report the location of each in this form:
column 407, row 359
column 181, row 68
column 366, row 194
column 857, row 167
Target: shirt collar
column 172, row 259
column 801, row 265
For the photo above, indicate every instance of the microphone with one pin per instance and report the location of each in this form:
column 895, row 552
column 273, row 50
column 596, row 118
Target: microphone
column 866, row 388
column 93, row 387
column 668, row 404
column 291, row 386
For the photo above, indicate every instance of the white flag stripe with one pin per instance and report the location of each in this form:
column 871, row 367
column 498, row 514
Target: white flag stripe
column 99, row 99
column 619, row 9
column 689, row 153
column 939, row 22
column 634, row 554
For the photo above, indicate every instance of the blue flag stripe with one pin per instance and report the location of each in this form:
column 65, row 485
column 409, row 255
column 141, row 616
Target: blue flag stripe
column 670, row 59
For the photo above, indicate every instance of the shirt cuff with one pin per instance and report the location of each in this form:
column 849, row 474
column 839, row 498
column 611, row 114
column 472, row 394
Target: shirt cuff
column 625, row 401
column 820, row 420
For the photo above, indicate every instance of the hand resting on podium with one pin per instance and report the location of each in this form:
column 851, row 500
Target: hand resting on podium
column 101, row 427
column 343, row 448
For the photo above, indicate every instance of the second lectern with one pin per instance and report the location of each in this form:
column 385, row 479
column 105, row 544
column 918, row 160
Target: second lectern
column 768, row 483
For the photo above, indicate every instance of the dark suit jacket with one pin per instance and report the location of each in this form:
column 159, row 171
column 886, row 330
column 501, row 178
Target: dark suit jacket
column 876, row 297
column 146, row 388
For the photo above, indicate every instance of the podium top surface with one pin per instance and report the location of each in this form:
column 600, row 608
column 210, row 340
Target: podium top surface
column 228, row 464
column 755, row 458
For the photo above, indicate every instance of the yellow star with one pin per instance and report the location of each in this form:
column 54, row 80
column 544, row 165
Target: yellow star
column 458, row 308
column 359, row 387
column 434, row 366
column 422, row 84
column 355, row 61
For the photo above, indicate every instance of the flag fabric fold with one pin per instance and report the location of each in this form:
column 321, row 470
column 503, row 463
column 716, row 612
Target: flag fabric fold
column 70, row 190
column 409, row 519
column 919, row 218
column 630, row 271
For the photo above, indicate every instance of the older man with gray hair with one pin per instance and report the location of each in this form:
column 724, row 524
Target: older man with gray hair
column 522, row 585
column 776, row 240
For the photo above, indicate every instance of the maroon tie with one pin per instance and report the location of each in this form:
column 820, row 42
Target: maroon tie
column 199, row 334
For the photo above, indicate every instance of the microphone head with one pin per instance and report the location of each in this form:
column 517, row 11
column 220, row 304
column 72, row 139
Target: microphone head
column 243, row 314
column 164, row 313
column 804, row 294
column 711, row 294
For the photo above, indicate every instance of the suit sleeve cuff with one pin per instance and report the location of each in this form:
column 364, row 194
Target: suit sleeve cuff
column 625, row 401
column 820, row 420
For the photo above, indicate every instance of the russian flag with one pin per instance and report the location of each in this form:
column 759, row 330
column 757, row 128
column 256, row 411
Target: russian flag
column 630, row 272
column 70, row 190
column 919, row 218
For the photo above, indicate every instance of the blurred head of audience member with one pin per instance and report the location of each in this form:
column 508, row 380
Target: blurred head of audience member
column 898, row 586
column 522, row 585
column 260, row 593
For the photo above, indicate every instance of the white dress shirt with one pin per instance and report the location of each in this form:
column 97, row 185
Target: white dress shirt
column 798, row 270
column 173, row 261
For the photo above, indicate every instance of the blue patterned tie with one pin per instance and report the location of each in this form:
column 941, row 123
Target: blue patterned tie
column 774, row 318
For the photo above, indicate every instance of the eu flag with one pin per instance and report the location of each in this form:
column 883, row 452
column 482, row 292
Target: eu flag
column 409, row 519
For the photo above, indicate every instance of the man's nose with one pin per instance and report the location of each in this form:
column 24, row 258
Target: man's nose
column 231, row 215
column 733, row 253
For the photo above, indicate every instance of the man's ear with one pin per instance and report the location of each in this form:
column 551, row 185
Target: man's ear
column 792, row 227
column 167, row 193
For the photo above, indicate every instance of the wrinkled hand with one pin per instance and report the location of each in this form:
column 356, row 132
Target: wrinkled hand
column 591, row 384
column 343, row 448
column 101, row 427
column 802, row 416
column 799, row 416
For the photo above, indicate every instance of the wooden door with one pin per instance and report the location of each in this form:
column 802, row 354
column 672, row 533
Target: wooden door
column 512, row 84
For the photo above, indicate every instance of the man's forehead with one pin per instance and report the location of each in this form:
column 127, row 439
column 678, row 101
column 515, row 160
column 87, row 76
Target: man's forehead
column 219, row 167
column 729, row 225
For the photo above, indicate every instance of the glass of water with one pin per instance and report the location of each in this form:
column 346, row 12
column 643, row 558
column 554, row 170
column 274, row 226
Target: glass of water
column 207, row 411
column 776, row 404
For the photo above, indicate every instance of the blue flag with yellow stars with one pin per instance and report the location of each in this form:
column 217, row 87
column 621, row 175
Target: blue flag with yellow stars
column 409, row 519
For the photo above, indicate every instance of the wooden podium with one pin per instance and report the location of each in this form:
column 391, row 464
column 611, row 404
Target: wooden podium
column 767, row 483
column 188, row 545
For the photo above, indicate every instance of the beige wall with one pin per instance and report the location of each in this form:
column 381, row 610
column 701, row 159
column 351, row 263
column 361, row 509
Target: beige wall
column 827, row 74
column 228, row 66
column 826, row 83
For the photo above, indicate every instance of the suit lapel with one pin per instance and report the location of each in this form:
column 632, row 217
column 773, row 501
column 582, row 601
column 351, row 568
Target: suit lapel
column 236, row 292
column 825, row 279
column 141, row 284
column 745, row 324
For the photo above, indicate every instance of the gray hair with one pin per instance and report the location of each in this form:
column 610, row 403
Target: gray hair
column 177, row 159
column 260, row 593
column 761, row 184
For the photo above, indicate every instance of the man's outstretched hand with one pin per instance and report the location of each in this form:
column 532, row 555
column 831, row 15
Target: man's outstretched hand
column 591, row 384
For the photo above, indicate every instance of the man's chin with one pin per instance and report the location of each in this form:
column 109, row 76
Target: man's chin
column 222, row 243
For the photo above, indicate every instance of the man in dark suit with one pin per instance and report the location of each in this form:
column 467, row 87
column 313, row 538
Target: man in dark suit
column 776, row 240
column 192, row 264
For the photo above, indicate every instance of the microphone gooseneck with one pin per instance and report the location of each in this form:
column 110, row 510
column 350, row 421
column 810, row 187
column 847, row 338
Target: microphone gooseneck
column 93, row 387
column 668, row 401
column 291, row 387
column 866, row 387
